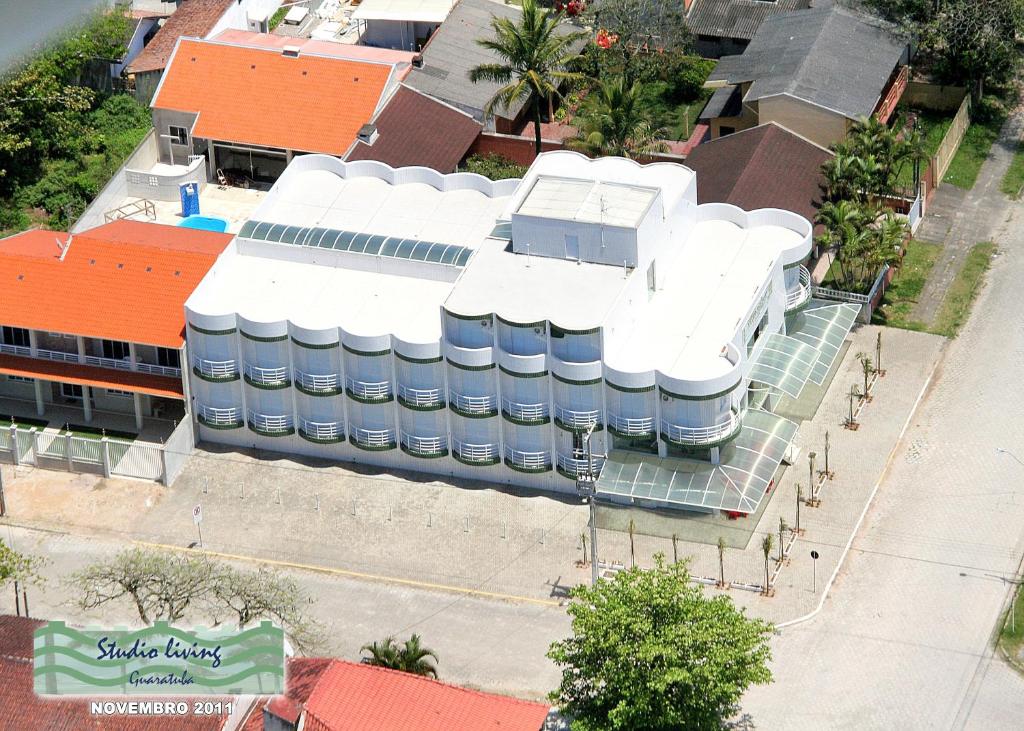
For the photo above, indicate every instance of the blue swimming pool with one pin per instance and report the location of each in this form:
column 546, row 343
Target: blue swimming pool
column 205, row 223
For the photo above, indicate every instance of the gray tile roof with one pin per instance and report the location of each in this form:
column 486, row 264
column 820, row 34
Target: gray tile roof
column 736, row 18
column 453, row 50
column 829, row 56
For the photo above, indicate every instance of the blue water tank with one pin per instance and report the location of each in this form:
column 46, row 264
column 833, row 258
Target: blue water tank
column 189, row 199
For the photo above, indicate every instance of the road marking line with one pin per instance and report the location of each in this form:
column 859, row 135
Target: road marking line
column 354, row 574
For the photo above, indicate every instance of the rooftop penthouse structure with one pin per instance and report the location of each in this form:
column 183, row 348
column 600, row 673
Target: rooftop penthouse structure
column 454, row 325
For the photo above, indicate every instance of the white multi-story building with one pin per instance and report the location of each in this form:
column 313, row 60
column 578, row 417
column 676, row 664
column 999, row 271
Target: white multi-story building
column 452, row 325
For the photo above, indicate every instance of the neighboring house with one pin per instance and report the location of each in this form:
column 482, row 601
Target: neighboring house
column 95, row 321
column 415, row 129
column 402, row 24
column 453, row 52
column 143, row 25
column 191, row 19
column 763, row 167
column 478, row 329
column 814, row 71
column 723, row 27
column 335, row 695
column 250, row 108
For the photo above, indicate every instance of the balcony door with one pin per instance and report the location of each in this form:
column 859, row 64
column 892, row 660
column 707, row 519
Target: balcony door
column 115, row 349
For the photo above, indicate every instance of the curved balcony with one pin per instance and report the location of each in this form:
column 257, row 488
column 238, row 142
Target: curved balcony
column 322, row 432
column 266, row 377
column 575, row 420
column 631, row 428
column 705, row 436
column 521, row 461
column 420, row 399
column 215, row 370
column 271, row 425
column 519, row 413
column 475, row 454
column 373, row 440
column 428, row 447
column 318, row 384
column 578, row 465
column 474, row 407
column 368, row 392
column 799, row 295
column 215, row 418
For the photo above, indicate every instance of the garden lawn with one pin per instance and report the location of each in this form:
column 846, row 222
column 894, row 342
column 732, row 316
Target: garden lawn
column 956, row 306
column 1011, row 636
column 899, row 300
column 932, row 127
column 1013, row 181
column 963, row 170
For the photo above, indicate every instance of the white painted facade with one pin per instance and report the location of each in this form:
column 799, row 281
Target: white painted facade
column 596, row 292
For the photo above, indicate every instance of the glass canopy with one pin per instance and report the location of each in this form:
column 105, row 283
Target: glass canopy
column 738, row 484
column 785, row 363
column 824, row 328
column 359, row 243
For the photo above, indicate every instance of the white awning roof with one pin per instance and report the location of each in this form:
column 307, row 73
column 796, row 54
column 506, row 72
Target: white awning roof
column 420, row 11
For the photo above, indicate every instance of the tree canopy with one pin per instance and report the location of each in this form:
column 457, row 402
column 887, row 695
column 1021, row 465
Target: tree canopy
column 410, row 657
column 21, row 567
column 615, row 122
column 649, row 650
column 638, row 29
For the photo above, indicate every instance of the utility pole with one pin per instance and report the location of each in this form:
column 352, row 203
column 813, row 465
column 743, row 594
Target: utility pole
column 3, row 502
column 586, row 488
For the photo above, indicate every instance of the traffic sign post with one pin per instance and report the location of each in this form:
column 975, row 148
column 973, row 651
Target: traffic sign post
column 814, row 574
column 197, row 518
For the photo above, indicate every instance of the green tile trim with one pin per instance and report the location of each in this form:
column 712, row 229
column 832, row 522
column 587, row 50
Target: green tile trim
column 413, row 407
column 709, row 397
column 510, row 323
column 365, row 400
column 267, row 433
column 259, row 339
column 472, row 414
column 311, row 346
column 213, row 379
column 627, row 389
column 370, row 353
column 577, row 429
column 368, row 448
column 469, row 317
column 794, row 265
column 204, row 331
column 302, row 389
column 571, row 382
column 525, row 422
column 234, row 425
column 460, row 366
column 268, row 387
column 425, row 455
column 476, row 462
column 645, row 437
column 565, row 331
column 320, row 440
column 516, row 374
column 528, row 470
column 422, row 361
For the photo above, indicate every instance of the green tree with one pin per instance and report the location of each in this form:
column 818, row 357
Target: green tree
column 766, row 549
column 615, row 122
column 382, row 654
column 650, row 651
column 493, row 166
column 21, row 567
column 410, row 657
column 535, row 60
column 645, row 32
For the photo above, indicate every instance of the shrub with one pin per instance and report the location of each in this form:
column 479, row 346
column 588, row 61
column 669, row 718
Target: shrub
column 494, row 166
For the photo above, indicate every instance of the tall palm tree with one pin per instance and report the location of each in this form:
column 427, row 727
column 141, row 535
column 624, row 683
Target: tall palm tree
column 535, row 60
column 616, row 123
column 414, row 658
column 382, row 654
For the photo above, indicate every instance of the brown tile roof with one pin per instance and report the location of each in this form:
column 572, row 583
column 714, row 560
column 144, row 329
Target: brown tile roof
column 414, row 129
column 764, row 167
column 193, row 18
column 302, row 674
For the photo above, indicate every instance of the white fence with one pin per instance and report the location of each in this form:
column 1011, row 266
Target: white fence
column 164, row 186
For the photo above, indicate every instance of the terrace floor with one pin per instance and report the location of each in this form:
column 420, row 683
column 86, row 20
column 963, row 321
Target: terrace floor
column 233, row 204
column 60, row 418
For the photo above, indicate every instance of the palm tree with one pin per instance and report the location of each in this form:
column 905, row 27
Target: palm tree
column 616, row 123
column 535, row 60
column 382, row 654
column 867, row 366
column 416, row 659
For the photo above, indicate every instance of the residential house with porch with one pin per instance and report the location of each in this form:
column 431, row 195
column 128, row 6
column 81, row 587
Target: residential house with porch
column 92, row 324
column 813, row 71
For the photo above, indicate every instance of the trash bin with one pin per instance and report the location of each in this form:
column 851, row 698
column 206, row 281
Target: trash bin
column 189, row 199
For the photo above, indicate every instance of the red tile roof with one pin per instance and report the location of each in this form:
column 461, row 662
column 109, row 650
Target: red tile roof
column 126, row 280
column 193, row 19
column 763, row 167
column 259, row 96
column 302, row 674
column 87, row 375
column 21, row 709
column 414, row 129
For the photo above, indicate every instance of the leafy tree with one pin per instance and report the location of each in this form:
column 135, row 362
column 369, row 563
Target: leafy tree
column 870, row 160
column 410, row 657
column 535, row 60
column 21, row 567
column 615, row 122
column 493, row 166
column 640, row 32
column 906, row 13
column 650, row 651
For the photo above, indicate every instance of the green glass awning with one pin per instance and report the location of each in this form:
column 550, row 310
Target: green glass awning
column 785, row 363
column 738, row 484
column 823, row 328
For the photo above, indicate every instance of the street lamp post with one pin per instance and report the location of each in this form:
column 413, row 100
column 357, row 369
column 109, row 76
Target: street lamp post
column 586, row 487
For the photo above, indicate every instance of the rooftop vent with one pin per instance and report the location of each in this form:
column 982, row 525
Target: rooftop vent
column 368, row 133
column 417, row 61
column 290, row 51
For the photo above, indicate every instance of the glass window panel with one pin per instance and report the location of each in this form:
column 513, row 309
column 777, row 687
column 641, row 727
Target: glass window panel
column 390, row 246
column 419, row 252
column 449, row 254
column 247, row 229
column 463, row 257
column 374, row 244
column 405, row 248
column 289, row 234
column 315, row 236
column 328, row 239
column 436, row 252
column 359, row 243
column 276, row 232
column 344, row 241
column 261, row 230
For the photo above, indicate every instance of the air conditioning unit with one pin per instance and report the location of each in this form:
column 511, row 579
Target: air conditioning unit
column 538, row 330
column 664, row 397
column 485, row 323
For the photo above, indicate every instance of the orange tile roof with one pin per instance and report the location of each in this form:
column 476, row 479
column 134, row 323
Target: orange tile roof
column 126, row 280
column 87, row 375
column 258, row 96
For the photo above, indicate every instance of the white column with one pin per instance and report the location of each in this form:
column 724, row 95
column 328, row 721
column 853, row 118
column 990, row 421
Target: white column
column 132, row 357
column 33, row 343
column 40, row 406
column 81, row 348
column 137, row 399
column 86, row 403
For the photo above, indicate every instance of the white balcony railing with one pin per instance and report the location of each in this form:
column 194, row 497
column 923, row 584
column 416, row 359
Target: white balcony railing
column 58, row 355
column 215, row 368
column 317, row 382
column 326, row 431
column 524, row 412
column 121, row 365
column 373, row 438
column 802, row 292
column 700, row 435
column 374, row 390
column 528, row 460
column 425, row 397
column 577, row 419
column 475, row 452
column 15, row 349
column 631, row 427
column 158, row 370
column 424, row 445
column 220, row 416
column 266, row 376
column 273, row 423
column 474, row 404
column 579, row 465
